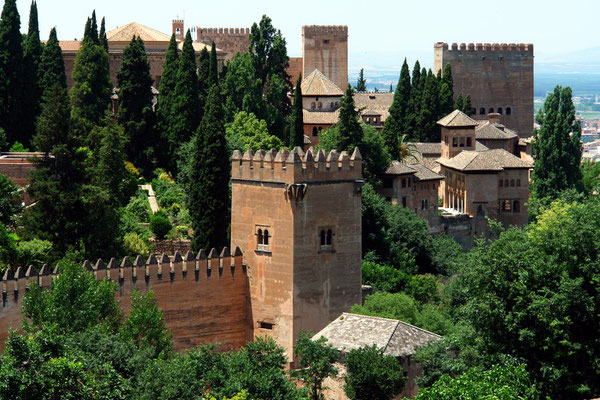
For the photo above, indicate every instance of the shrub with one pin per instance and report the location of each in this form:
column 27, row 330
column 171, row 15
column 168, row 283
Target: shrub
column 34, row 252
column 139, row 207
column 389, row 305
column 134, row 245
column 384, row 277
column 160, row 225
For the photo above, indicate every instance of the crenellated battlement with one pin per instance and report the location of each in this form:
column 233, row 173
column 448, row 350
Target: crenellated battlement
column 296, row 166
column 223, row 31
column 332, row 29
column 493, row 48
column 139, row 273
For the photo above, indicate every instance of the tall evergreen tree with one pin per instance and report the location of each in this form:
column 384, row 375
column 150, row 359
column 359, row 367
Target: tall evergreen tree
column 102, row 35
column 110, row 173
column 186, row 101
column 395, row 123
column 164, row 107
column 11, row 61
column 414, row 104
column 446, row 96
column 361, row 83
column 53, row 124
column 135, row 103
column 557, row 147
column 203, row 76
column 209, row 180
column 52, row 66
column 350, row 131
column 467, row 106
column 213, row 76
column 428, row 129
column 296, row 118
column 31, row 90
column 94, row 28
column 460, row 102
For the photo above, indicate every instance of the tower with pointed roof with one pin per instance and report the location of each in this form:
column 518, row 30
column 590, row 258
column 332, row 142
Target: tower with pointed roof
column 458, row 133
column 296, row 217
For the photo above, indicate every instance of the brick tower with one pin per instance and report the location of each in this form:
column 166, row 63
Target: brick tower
column 325, row 47
column 297, row 219
column 178, row 29
column 499, row 78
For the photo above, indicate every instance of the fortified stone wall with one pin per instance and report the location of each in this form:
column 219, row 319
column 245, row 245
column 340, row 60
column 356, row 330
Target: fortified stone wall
column 204, row 299
column 499, row 78
column 230, row 40
column 325, row 47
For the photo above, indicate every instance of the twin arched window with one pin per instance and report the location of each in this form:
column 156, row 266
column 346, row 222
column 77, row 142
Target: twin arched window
column 326, row 238
column 262, row 239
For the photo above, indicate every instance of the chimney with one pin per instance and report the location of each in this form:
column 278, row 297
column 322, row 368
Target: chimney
column 494, row 118
column 178, row 29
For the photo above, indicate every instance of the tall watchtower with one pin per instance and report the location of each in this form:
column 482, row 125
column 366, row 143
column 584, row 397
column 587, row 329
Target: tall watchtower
column 178, row 29
column 325, row 47
column 297, row 219
column 499, row 78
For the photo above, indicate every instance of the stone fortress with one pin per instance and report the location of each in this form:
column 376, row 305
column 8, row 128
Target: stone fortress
column 296, row 264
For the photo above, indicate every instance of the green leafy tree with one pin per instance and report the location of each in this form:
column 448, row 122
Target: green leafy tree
column 102, row 35
column 203, row 76
column 361, row 83
column 428, row 129
column 498, row 382
column 389, row 305
column 446, row 94
column 160, row 225
column 31, row 90
column 386, row 278
column 52, row 67
column 556, row 146
column 395, row 123
column 209, row 183
column 53, row 125
column 247, row 132
column 8, row 248
column 414, row 104
column 460, row 102
column 467, row 106
column 372, row 375
column 296, row 118
column 243, row 89
column 166, row 101
column 590, row 176
column 350, row 131
column 213, row 67
column 92, row 87
column 135, row 104
column 10, row 204
column 11, row 70
column 315, row 362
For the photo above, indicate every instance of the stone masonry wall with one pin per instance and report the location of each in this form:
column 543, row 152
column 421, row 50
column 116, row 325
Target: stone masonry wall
column 497, row 76
column 230, row 40
column 204, row 299
column 326, row 48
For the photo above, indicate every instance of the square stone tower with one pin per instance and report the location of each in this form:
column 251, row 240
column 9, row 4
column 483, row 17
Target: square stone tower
column 325, row 47
column 499, row 78
column 297, row 219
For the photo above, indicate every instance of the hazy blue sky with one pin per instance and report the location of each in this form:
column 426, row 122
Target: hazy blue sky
column 381, row 32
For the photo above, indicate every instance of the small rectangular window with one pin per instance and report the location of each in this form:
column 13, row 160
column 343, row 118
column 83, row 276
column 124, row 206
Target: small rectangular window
column 403, row 201
column 403, row 182
column 266, row 325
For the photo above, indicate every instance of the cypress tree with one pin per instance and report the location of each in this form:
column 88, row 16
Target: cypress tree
column 52, row 66
column 557, row 147
column 203, row 76
column 428, row 130
column 391, row 88
column 102, row 35
column 31, row 90
column 395, row 123
column 53, row 124
column 361, row 84
column 446, row 97
column 11, row 61
column 135, row 101
column 350, row 130
column 213, row 76
column 110, row 172
column 460, row 102
column 414, row 104
column 209, row 180
column 296, row 118
column 91, row 91
column 467, row 106
column 94, row 28
column 186, row 101
column 447, row 77
column 164, row 107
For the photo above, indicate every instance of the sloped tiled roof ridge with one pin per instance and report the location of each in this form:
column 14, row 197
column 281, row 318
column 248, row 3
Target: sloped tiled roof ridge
column 317, row 84
column 126, row 32
column 457, row 118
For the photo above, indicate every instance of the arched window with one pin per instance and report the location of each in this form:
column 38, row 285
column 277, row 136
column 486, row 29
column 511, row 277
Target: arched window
column 512, row 183
column 368, row 120
column 500, row 110
column 491, row 110
column 516, row 206
column 320, row 105
column 266, row 238
column 469, row 143
column 315, row 131
column 260, row 237
column 506, row 182
column 473, row 111
column 482, row 111
column 518, row 182
column 329, row 237
column 323, row 238
column 508, row 110
column 313, row 105
column 500, row 183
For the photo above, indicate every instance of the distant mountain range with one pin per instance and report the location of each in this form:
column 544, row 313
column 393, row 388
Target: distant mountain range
column 579, row 69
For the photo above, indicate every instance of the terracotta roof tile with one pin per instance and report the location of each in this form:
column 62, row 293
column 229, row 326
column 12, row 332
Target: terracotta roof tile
column 457, row 118
column 126, row 32
column 494, row 131
column 317, row 84
column 378, row 102
column 396, row 338
column 425, row 174
column 398, row 168
column 487, row 160
column 320, row 117
column 429, row 148
column 69, row 45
